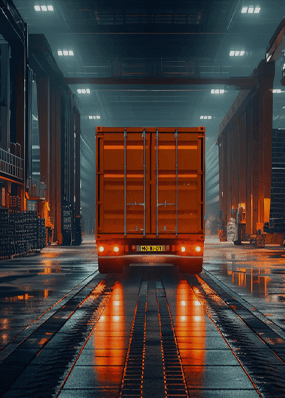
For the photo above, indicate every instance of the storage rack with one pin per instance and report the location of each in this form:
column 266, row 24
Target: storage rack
column 21, row 232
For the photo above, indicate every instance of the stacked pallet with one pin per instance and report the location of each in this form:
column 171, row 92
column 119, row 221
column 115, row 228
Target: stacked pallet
column 5, row 233
column 21, row 232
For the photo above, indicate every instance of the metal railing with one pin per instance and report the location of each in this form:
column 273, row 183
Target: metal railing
column 11, row 164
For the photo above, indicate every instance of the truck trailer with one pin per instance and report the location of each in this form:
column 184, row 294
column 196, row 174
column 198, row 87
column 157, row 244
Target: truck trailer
column 150, row 197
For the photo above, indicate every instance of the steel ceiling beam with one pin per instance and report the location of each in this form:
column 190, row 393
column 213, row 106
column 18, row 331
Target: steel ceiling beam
column 12, row 27
column 243, row 83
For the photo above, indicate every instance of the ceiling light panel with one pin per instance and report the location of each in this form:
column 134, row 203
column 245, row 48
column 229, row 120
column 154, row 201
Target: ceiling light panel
column 217, row 91
column 44, row 8
column 236, row 53
column 83, row 90
column 66, row 53
column 250, row 10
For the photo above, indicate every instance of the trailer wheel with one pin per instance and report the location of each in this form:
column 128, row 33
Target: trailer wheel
column 109, row 266
column 192, row 267
column 107, row 270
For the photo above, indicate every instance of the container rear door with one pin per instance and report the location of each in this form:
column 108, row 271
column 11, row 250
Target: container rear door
column 176, row 179
column 125, row 183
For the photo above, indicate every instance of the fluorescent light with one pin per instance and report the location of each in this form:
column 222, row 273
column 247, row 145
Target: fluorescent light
column 65, row 52
column 250, row 10
column 232, row 53
column 244, row 10
column 98, row 117
column 79, row 90
column 217, row 91
column 241, row 53
column 50, row 8
column 277, row 91
column 83, row 91
column 37, row 8
column 257, row 10
column 88, row 91
column 209, row 117
column 44, row 8
column 70, row 53
column 236, row 53
column 201, row 117
column 90, row 117
column 59, row 52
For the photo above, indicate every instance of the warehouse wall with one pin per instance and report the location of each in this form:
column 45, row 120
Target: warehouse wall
column 245, row 144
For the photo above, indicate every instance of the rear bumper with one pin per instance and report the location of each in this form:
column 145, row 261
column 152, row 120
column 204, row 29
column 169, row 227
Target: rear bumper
column 152, row 259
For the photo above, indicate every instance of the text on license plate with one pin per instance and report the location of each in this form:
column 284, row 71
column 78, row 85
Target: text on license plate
column 150, row 248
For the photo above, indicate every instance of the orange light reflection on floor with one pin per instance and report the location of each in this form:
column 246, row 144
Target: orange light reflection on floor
column 108, row 340
column 190, row 330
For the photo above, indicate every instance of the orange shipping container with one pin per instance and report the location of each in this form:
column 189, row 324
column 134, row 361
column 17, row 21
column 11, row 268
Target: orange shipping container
column 150, row 197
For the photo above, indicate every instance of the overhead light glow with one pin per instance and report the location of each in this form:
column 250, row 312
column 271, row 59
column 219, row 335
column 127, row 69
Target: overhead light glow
column 90, row 117
column 79, row 90
column 94, row 117
column 217, row 91
column 70, row 53
column 250, row 10
column 88, row 91
column 206, row 117
column 44, row 8
column 65, row 52
column 37, row 8
column 83, row 91
column 236, row 53
column 50, row 8
column 59, row 52
column 277, row 91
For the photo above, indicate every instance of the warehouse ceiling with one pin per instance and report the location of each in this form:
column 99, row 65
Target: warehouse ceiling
column 141, row 39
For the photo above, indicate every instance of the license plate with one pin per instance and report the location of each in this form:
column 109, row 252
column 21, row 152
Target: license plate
column 150, row 248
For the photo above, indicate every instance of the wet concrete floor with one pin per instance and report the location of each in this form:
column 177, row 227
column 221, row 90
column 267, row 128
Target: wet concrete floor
column 68, row 331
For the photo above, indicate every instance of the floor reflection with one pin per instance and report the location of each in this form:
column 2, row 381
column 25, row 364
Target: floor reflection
column 190, row 329
column 109, row 341
column 252, row 280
